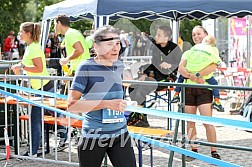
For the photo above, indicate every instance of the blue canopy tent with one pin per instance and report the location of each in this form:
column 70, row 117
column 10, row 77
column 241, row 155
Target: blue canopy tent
column 103, row 10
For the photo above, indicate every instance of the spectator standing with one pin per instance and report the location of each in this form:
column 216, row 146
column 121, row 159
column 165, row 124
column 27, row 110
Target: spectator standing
column 137, row 45
column 34, row 64
column 21, row 47
column 148, row 46
column 142, row 46
column 8, row 45
column 203, row 53
column 131, row 43
column 55, row 53
column 199, row 98
column 124, row 43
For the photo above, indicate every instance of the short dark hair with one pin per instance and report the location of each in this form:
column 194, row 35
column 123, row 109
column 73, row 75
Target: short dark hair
column 167, row 30
column 63, row 19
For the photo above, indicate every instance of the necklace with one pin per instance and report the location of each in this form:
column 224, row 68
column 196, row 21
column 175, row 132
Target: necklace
column 113, row 67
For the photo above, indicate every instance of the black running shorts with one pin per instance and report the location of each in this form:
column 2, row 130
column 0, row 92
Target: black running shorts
column 198, row 96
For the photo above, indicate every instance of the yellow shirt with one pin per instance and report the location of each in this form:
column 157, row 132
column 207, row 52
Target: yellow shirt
column 199, row 57
column 71, row 37
column 32, row 51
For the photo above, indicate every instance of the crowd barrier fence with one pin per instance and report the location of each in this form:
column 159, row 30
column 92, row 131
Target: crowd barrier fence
column 7, row 91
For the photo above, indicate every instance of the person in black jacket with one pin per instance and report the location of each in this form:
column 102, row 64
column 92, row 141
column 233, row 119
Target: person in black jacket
column 165, row 61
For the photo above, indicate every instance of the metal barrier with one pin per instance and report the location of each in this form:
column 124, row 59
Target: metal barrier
column 133, row 59
column 8, row 88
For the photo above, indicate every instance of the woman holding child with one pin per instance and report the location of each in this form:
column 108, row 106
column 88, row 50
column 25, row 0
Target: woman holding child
column 199, row 98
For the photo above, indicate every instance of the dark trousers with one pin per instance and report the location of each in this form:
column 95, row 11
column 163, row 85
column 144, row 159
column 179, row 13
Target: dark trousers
column 119, row 149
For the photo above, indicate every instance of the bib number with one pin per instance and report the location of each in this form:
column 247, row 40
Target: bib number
column 112, row 116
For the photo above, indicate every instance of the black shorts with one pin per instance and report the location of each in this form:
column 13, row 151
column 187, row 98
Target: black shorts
column 198, row 96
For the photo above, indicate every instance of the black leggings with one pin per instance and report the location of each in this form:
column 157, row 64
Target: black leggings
column 119, row 149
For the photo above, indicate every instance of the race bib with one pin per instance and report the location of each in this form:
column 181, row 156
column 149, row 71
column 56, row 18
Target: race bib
column 112, row 116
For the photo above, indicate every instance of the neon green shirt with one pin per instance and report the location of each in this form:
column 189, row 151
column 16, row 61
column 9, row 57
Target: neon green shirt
column 32, row 51
column 199, row 57
column 90, row 41
column 71, row 37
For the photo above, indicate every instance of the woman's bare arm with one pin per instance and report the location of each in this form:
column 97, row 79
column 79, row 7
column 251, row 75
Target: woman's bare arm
column 182, row 70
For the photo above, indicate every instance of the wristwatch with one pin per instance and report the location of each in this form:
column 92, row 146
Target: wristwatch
column 22, row 65
column 197, row 74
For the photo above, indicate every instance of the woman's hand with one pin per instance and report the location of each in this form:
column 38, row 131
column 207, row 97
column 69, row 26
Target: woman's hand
column 182, row 70
column 63, row 61
column 193, row 77
column 118, row 105
column 16, row 68
column 200, row 80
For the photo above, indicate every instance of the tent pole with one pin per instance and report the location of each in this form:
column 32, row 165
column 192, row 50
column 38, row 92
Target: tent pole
column 175, row 31
column 46, row 24
column 100, row 21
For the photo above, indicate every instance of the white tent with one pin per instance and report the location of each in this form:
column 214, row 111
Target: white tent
column 102, row 10
column 75, row 9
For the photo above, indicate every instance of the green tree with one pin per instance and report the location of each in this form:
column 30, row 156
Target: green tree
column 11, row 16
column 142, row 24
column 82, row 25
column 14, row 12
column 186, row 27
column 145, row 25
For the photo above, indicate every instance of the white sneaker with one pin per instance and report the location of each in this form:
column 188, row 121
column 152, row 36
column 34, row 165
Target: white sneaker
column 28, row 154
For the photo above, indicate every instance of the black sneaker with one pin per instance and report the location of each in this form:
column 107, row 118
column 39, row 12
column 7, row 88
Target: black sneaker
column 132, row 119
column 188, row 158
column 215, row 155
column 175, row 99
column 217, row 105
column 142, row 121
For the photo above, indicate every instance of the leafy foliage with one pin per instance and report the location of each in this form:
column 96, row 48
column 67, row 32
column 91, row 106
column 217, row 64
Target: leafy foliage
column 144, row 25
column 11, row 16
column 14, row 12
column 82, row 25
column 186, row 27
